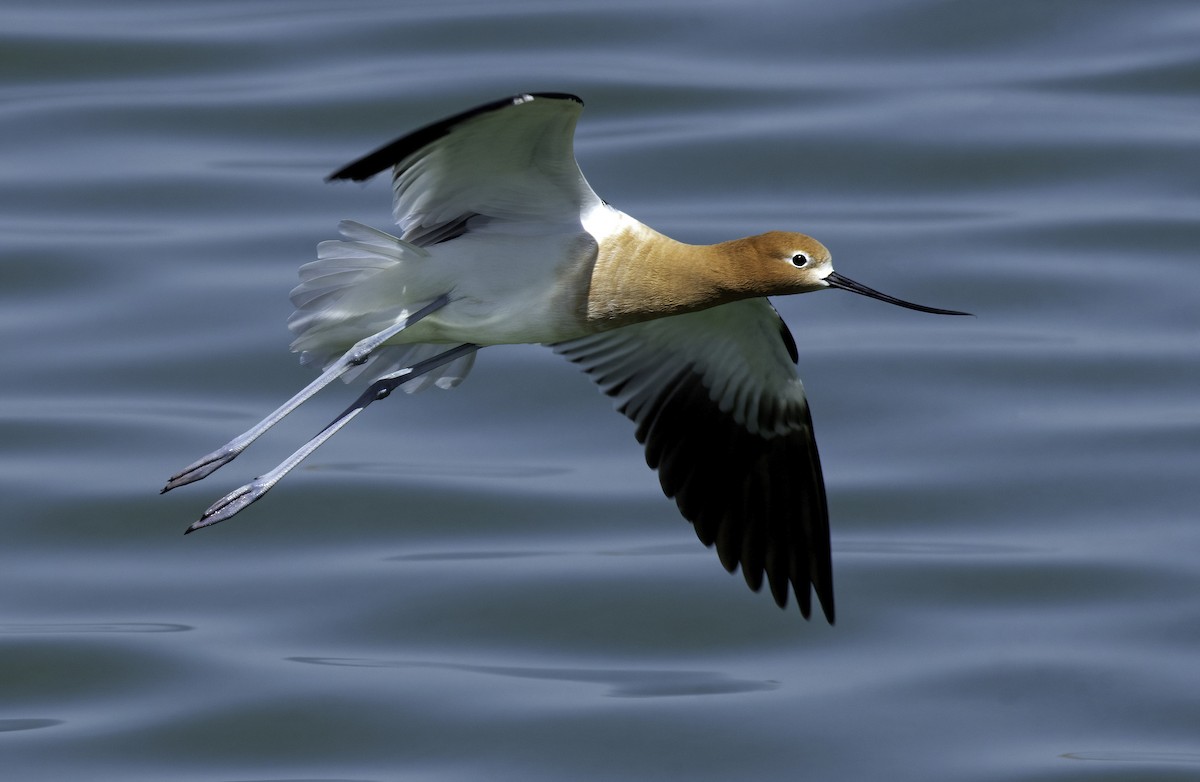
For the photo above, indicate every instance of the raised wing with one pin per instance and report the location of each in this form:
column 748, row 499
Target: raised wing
column 509, row 160
column 723, row 417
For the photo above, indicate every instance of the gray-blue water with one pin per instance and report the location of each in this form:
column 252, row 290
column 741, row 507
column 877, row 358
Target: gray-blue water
column 487, row 583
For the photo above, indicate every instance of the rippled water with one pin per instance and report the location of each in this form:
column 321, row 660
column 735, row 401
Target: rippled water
column 486, row 583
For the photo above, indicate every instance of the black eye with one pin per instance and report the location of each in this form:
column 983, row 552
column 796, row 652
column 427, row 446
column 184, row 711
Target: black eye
column 799, row 260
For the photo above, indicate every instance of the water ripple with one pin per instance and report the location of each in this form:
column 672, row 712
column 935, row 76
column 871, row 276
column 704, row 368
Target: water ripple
column 626, row 683
column 47, row 628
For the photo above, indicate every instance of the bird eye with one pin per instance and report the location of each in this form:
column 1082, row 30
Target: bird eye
column 799, row 260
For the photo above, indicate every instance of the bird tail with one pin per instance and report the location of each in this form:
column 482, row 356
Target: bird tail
column 340, row 300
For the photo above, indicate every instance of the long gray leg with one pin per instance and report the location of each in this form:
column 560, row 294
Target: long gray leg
column 206, row 465
column 239, row 499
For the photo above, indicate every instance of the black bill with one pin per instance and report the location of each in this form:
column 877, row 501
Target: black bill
column 835, row 280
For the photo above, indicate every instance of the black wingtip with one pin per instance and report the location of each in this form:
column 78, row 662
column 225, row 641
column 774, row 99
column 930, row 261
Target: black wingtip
column 824, row 600
column 390, row 154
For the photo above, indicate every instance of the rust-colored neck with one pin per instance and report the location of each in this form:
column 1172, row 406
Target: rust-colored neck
column 641, row 274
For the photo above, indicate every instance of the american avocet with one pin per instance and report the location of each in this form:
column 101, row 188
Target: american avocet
column 502, row 241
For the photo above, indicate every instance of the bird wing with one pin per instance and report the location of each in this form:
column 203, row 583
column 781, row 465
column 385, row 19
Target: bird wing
column 724, row 419
column 510, row 160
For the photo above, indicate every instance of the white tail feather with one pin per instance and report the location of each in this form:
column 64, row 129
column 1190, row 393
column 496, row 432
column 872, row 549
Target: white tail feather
column 324, row 330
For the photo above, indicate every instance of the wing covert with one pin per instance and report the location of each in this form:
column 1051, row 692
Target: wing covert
column 511, row 160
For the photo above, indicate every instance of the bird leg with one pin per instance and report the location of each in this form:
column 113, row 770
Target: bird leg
column 239, row 499
column 206, row 465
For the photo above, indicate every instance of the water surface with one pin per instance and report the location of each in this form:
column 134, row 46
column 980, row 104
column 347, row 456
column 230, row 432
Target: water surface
column 486, row 583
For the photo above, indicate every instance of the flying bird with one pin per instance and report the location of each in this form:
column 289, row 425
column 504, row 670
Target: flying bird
column 501, row 240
